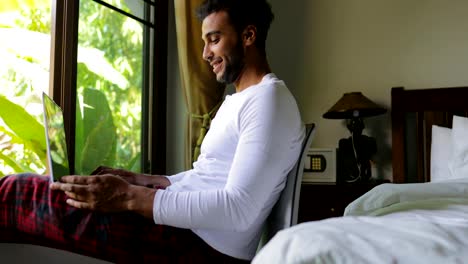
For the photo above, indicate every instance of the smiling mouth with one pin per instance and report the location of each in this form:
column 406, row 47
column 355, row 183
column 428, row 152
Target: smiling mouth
column 216, row 66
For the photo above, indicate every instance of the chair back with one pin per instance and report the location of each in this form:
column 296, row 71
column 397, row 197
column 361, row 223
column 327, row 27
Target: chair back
column 285, row 212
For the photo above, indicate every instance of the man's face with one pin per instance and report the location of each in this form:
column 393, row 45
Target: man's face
column 223, row 47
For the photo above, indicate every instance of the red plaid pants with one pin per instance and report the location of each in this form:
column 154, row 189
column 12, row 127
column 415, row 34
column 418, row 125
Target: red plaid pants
column 32, row 213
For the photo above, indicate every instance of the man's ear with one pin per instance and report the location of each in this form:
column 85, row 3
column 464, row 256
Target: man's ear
column 249, row 35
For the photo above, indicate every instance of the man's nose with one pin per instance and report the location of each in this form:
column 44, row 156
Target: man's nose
column 207, row 54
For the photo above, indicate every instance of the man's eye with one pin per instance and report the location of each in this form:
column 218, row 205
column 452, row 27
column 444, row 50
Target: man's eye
column 216, row 40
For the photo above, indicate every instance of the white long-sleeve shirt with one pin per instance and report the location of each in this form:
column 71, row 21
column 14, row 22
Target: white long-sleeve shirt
column 252, row 144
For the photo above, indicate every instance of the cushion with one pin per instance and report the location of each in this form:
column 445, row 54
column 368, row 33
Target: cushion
column 458, row 165
column 441, row 153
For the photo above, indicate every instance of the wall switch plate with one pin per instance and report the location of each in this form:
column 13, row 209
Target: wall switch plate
column 320, row 166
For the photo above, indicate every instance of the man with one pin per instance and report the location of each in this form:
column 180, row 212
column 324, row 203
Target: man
column 217, row 208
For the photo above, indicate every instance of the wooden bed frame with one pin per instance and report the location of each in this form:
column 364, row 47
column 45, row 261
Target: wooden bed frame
column 413, row 114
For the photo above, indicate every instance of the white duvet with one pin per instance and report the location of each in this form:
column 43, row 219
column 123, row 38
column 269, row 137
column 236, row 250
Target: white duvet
column 393, row 223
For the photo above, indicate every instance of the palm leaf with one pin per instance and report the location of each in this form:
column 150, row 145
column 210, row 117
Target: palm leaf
column 98, row 131
column 23, row 125
column 15, row 165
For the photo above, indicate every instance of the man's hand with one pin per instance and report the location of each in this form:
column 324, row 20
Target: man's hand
column 106, row 193
column 152, row 181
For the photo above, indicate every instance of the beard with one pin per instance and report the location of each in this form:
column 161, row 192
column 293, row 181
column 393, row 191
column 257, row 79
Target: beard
column 234, row 65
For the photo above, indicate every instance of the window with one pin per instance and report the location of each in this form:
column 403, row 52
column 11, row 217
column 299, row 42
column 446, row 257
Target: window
column 130, row 36
column 109, row 93
column 25, row 28
column 108, row 73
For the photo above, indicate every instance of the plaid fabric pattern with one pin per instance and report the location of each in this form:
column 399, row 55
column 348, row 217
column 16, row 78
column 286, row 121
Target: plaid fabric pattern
column 32, row 213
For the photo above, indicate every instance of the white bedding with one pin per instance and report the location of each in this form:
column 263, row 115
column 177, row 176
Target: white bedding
column 393, row 223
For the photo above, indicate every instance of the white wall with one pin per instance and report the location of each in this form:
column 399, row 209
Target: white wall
column 324, row 48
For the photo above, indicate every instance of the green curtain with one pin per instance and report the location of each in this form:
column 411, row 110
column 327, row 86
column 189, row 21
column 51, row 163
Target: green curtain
column 203, row 94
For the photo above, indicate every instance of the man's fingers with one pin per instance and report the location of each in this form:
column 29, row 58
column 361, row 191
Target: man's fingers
column 97, row 171
column 102, row 170
column 78, row 204
column 66, row 187
column 75, row 196
column 78, row 179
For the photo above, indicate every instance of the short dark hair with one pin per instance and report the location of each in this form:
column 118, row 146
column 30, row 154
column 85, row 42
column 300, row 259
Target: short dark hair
column 241, row 14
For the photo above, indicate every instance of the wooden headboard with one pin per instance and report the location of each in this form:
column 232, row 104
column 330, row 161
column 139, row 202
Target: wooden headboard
column 413, row 114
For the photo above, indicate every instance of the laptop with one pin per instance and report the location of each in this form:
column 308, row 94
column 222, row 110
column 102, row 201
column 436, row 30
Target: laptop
column 57, row 155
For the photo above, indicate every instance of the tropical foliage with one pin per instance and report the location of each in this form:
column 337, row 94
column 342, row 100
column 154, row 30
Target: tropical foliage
column 109, row 81
column 23, row 132
column 24, row 72
column 120, row 41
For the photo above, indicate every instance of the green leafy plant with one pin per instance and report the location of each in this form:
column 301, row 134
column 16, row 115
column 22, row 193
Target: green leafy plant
column 119, row 40
column 21, row 129
column 96, row 135
column 96, row 138
column 109, row 67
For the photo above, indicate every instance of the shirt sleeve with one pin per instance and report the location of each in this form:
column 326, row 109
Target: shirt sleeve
column 269, row 144
column 176, row 177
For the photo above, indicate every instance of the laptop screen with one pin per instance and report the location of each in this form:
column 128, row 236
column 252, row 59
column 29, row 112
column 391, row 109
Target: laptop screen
column 55, row 138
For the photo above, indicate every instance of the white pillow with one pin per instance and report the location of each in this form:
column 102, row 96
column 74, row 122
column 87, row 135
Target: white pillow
column 458, row 165
column 441, row 153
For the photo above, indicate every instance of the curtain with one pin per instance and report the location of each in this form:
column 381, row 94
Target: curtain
column 203, row 94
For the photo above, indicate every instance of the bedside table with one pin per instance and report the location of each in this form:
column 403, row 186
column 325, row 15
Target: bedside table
column 320, row 201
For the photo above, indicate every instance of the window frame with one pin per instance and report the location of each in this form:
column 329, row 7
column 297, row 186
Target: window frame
column 63, row 76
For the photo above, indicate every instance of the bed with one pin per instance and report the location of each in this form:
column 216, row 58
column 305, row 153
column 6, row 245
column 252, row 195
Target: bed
column 422, row 216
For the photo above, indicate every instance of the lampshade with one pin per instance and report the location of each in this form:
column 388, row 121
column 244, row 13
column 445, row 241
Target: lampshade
column 353, row 104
